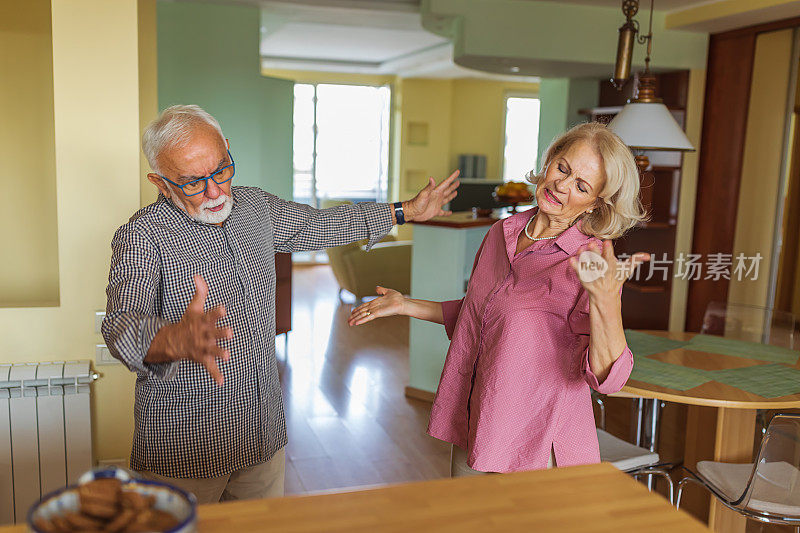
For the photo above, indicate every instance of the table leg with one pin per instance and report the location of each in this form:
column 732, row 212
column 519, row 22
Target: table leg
column 652, row 444
column 637, row 429
column 716, row 435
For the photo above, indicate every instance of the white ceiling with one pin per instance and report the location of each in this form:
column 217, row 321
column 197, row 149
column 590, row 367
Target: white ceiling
column 345, row 34
column 344, row 43
column 356, row 36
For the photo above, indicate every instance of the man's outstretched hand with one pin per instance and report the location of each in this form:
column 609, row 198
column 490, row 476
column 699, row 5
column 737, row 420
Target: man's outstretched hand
column 430, row 201
column 195, row 337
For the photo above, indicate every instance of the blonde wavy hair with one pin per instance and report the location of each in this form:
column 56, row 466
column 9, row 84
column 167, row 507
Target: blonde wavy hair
column 619, row 207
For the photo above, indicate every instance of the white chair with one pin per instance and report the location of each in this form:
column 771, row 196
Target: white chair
column 752, row 323
column 767, row 490
column 631, row 459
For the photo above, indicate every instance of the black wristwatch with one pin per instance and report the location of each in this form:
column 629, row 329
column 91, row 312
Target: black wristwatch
column 398, row 213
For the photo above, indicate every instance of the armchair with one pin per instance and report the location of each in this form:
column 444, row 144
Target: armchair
column 357, row 271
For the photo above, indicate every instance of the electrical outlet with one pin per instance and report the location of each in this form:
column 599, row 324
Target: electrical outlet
column 98, row 320
column 102, row 356
column 119, row 463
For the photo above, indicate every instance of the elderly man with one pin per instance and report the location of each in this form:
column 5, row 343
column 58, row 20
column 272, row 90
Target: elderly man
column 191, row 307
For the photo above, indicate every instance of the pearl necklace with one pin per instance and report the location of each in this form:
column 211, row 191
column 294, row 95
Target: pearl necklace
column 536, row 238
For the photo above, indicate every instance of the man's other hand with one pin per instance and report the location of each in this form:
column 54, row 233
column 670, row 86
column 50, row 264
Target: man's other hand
column 195, row 337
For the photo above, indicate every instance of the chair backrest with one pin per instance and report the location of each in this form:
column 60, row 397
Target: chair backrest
column 776, row 477
column 752, row 323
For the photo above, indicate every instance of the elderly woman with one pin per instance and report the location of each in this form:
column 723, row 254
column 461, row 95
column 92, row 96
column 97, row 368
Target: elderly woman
column 531, row 336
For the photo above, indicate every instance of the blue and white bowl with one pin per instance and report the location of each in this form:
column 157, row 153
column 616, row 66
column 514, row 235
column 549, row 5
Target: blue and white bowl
column 177, row 502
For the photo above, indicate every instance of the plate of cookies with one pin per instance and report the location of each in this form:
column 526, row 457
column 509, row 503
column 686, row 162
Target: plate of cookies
column 115, row 501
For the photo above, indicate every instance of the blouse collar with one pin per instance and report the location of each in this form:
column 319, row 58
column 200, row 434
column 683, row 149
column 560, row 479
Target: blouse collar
column 569, row 241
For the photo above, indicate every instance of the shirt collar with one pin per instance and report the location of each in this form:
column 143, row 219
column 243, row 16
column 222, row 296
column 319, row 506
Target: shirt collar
column 573, row 238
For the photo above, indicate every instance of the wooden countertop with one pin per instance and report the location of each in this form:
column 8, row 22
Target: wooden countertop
column 581, row 498
column 458, row 220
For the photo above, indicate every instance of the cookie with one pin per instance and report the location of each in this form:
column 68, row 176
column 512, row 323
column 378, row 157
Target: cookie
column 82, row 522
column 152, row 520
column 99, row 497
column 121, row 521
column 62, row 525
column 136, row 500
column 106, row 489
column 99, row 509
column 45, row 526
column 162, row 520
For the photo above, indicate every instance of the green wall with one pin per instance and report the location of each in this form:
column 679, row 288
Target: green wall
column 561, row 99
column 208, row 55
column 583, row 94
column 554, row 97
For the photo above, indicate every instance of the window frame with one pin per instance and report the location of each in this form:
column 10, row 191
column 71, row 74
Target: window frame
column 388, row 193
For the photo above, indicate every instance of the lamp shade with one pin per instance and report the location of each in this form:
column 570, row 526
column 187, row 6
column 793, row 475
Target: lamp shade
column 649, row 126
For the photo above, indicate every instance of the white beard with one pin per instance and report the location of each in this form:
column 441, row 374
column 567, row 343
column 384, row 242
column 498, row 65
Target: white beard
column 205, row 216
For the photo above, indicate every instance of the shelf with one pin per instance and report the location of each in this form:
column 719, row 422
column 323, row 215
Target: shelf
column 645, row 289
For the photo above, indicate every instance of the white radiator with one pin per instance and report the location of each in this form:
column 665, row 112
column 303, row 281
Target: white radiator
column 45, row 431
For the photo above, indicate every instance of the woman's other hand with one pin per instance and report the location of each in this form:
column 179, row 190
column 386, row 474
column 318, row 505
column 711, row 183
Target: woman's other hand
column 604, row 283
column 388, row 303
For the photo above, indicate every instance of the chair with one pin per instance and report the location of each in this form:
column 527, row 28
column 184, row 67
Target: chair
column 752, row 323
column 767, row 490
column 357, row 271
column 631, row 459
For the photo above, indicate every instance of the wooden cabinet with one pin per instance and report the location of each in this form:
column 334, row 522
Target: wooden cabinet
column 283, row 293
column 646, row 300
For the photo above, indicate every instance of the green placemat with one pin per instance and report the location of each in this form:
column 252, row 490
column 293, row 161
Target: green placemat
column 667, row 375
column 737, row 348
column 643, row 344
column 769, row 381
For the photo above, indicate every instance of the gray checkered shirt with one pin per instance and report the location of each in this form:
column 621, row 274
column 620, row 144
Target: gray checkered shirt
column 185, row 425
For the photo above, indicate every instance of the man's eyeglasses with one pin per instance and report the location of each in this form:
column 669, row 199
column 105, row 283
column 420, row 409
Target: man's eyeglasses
column 199, row 185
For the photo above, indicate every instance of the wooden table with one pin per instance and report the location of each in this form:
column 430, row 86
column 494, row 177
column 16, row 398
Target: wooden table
column 581, row 498
column 721, row 418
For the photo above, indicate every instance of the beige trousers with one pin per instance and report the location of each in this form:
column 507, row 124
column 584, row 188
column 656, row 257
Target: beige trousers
column 459, row 467
column 264, row 480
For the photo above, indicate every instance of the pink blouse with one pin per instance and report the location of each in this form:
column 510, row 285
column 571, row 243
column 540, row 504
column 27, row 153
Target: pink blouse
column 516, row 379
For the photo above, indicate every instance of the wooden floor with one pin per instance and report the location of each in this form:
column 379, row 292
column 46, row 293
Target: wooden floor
column 348, row 421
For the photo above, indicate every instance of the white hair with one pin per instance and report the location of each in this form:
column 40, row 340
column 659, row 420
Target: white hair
column 620, row 208
column 173, row 129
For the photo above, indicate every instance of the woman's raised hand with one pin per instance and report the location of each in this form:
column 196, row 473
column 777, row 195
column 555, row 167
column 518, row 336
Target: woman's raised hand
column 388, row 303
column 602, row 275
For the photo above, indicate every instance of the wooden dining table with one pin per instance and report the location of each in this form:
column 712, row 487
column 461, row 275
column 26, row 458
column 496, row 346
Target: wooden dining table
column 596, row 498
column 721, row 418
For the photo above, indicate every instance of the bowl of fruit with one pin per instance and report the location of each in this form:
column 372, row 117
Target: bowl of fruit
column 512, row 193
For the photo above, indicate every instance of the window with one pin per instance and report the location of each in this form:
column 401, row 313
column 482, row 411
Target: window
column 522, row 137
column 341, row 143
